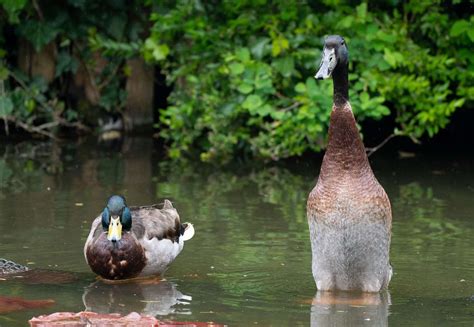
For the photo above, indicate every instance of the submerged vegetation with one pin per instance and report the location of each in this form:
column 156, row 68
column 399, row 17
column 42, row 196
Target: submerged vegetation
column 240, row 72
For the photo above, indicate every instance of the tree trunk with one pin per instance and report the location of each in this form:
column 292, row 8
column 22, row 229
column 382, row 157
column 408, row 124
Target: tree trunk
column 139, row 87
column 42, row 63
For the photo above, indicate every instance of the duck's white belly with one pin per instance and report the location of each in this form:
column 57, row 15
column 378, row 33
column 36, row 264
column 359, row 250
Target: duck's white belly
column 350, row 238
column 352, row 256
column 160, row 254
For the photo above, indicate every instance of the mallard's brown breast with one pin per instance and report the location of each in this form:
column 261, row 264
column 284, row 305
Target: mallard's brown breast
column 116, row 260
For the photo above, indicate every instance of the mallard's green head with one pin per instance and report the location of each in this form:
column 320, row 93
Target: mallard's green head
column 115, row 217
column 335, row 55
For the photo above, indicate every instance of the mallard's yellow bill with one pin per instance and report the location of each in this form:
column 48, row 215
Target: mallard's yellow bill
column 115, row 230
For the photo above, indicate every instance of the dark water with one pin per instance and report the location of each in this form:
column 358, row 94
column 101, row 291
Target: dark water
column 249, row 262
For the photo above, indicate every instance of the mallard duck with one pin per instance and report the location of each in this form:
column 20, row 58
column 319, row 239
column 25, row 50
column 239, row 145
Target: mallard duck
column 127, row 242
column 349, row 213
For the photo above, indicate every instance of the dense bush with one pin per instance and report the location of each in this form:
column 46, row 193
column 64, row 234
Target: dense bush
column 241, row 71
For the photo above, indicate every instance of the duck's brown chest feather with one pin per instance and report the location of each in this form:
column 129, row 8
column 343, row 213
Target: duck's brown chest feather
column 116, row 260
column 347, row 188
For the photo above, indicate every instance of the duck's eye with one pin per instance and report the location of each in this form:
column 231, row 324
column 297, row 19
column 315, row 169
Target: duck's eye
column 342, row 42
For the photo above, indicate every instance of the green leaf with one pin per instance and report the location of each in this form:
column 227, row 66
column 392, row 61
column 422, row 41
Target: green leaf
column 458, row 103
column 38, row 33
column 390, row 58
column 153, row 51
column 65, row 63
column 362, row 11
column 300, row 88
column 345, row 22
column 264, row 110
column 228, row 109
column 253, row 101
column 258, row 49
column 245, row 88
column 386, row 37
column 263, row 83
column 284, row 66
column 278, row 115
column 364, row 97
column 243, row 54
column 236, row 68
column 279, row 45
column 311, row 86
column 470, row 34
column 459, row 27
column 6, row 105
column 383, row 110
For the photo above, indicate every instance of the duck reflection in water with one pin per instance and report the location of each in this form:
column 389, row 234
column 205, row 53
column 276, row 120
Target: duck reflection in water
column 144, row 296
column 350, row 309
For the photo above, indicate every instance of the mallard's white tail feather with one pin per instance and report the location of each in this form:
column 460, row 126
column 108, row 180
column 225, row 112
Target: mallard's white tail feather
column 168, row 204
column 188, row 231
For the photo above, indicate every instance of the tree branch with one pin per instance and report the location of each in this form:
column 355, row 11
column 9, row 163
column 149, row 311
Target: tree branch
column 293, row 106
column 33, row 129
column 42, row 129
column 371, row 151
column 38, row 10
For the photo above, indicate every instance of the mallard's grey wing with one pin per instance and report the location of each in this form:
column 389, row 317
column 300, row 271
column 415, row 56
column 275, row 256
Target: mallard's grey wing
column 161, row 234
column 151, row 222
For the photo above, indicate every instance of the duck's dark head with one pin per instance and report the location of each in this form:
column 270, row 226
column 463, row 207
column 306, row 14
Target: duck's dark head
column 116, row 217
column 335, row 54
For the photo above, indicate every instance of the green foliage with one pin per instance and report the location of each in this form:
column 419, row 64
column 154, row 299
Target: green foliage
column 242, row 72
column 13, row 8
column 39, row 33
column 95, row 38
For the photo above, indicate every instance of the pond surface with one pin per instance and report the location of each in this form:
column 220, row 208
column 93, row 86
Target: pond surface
column 249, row 262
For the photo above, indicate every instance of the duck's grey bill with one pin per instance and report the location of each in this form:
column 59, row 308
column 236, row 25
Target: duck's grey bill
column 328, row 62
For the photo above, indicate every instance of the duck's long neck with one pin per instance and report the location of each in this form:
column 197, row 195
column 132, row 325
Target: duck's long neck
column 340, row 79
column 345, row 151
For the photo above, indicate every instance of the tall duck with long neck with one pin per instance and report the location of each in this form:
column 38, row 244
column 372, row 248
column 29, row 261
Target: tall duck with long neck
column 349, row 213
